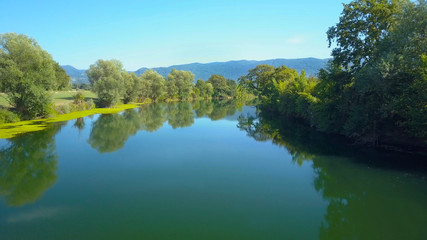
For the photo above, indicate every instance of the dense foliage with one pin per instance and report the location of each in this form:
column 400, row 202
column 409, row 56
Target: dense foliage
column 26, row 73
column 112, row 83
column 375, row 88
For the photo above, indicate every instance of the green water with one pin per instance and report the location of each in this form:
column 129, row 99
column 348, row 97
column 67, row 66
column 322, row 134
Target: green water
column 204, row 171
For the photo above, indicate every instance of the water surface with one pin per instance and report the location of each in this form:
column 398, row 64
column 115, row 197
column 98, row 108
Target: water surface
column 204, row 171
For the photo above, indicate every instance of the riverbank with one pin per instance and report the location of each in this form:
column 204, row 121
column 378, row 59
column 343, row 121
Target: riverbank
column 10, row 130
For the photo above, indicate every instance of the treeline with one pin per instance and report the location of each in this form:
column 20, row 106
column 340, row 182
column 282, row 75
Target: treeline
column 111, row 82
column 27, row 72
column 375, row 88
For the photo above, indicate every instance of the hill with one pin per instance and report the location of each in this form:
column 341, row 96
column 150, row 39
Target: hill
column 76, row 75
column 230, row 70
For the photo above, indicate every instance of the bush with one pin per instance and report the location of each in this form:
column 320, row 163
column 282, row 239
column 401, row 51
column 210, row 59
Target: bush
column 62, row 109
column 78, row 98
column 7, row 116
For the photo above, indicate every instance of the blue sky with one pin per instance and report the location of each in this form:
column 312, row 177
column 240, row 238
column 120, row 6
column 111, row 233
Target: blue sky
column 169, row 32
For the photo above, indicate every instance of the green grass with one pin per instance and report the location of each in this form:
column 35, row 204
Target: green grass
column 10, row 130
column 65, row 97
column 59, row 98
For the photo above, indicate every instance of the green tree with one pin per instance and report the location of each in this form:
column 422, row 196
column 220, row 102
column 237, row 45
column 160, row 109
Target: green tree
column 180, row 84
column 106, row 78
column 363, row 23
column 62, row 78
column 26, row 72
column 131, row 90
column 231, row 88
column 156, row 84
column 220, row 87
column 257, row 79
column 205, row 89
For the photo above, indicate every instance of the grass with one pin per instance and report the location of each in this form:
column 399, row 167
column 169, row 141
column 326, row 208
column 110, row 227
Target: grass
column 59, row 98
column 65, row 97
column 10, row 130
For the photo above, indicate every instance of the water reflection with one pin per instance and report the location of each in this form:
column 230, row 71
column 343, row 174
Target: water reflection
column 28, row 163
column 28, row 166
column 110, row 132
column 371, row 194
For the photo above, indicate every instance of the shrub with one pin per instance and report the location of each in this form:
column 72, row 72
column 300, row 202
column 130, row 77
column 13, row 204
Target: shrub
column 7, row 116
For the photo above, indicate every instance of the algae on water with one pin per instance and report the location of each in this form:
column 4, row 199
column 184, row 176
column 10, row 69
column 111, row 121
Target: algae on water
column 10, row 130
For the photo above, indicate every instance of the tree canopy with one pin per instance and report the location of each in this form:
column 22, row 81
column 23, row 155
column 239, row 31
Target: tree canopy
column 26, row 72
column 375, row 88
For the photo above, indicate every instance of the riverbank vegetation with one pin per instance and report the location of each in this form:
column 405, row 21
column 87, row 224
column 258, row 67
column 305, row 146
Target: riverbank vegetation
column 375, row 88
column 112, row 83
column 34, row 86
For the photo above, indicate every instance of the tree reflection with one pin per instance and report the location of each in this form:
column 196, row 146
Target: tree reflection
column 180, row 115
column 222, row 108
column 371, row 194
column 202, row 108
column 28, row 166
column 79, row 124
column 110, row 132
column 153, row 116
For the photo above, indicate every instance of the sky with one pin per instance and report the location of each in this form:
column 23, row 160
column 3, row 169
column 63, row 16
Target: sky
column 169, row 32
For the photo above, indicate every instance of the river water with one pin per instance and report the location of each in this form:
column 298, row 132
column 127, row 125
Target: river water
column 204, row 170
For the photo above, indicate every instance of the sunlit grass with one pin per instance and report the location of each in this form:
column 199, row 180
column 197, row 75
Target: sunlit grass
column 10, row 130
column 65, row 97
column 59, row 98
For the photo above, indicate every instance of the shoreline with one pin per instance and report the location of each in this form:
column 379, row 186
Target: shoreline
column 10, row 130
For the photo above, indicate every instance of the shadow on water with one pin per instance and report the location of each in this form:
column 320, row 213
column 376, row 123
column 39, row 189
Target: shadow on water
column 28, row 165
column 371, row 194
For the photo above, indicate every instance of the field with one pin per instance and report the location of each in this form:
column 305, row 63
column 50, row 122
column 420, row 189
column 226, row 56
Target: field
column 59, row 98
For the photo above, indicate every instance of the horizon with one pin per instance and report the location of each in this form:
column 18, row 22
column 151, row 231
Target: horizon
column 173, row 65
column 168, row 33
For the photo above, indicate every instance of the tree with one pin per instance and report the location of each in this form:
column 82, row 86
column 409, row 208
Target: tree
column 256, row 79
column 156, row 84
column 180, row 83
column 231, row 88
column 363, row 23
column 106, row 78
column 130, row 81
column 205, row 89
column 26, row 72
column 220, row 87
column 62, row 78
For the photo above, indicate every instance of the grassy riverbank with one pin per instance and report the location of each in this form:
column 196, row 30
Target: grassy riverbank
column 58, row 97
column 10, row 130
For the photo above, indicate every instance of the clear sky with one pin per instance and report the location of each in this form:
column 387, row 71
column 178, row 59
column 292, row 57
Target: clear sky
column 170, row 32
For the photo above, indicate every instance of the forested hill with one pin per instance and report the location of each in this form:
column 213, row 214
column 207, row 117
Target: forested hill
column 235, row 69
column 230, row 70
column 76, row 75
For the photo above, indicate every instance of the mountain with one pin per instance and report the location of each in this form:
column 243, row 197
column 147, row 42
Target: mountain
column 230, row 70
column 76, row 75
column 235, row 69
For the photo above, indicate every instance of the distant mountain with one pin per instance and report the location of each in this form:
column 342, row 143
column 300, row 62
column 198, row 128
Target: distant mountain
column 230, row 70
column 235, row 69
column 76, row 75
